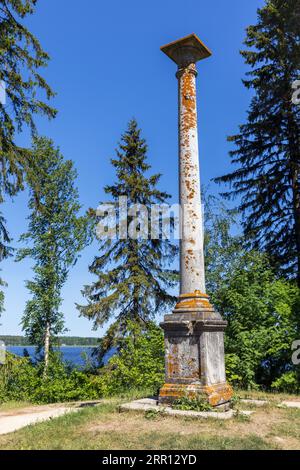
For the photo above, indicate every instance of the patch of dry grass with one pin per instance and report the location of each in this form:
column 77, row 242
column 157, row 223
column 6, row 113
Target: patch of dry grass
column 273, row 397
column 13, row 405
column 103, row 427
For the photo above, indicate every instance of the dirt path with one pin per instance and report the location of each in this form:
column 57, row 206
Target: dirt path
column 12, row 420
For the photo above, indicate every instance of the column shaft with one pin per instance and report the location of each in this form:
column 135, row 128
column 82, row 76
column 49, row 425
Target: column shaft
column 192, row 276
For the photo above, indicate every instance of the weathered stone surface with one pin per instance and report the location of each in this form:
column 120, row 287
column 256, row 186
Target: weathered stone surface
column 291, row 404
column 194, row 361
column 152, row 404
column 212, row 356
column 194, row 331
column 216, row 395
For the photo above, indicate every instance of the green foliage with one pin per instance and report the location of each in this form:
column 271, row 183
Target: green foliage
column 138, row 366
column 192, row 404
column 153, row 414
column 235, row 400
column 21, row 58
column 133, row 275
column 266, row 155
column 139, row 363
column 233, row 365
column 1, row 300
column 56, row 234
column 5, row 252
column 18, row 379
column 261, row 309
column 287, row 383
column 21, row 380
column 220, row 246
column 2, row 284
column 262, row 323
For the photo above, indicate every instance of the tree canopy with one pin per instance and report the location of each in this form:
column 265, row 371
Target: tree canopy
column 133, row 274
column 56, row 234
column 266, row 157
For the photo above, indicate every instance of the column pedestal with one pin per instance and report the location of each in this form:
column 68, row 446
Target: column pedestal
column 194, row 332
column 194, row 342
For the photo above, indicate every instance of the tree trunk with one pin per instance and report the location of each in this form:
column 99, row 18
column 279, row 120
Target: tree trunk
column 46, row 349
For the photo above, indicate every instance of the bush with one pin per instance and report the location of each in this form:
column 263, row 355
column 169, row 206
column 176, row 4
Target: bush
column 287, row 383
column 18, row 379
column 21, row 380
column 262, row 314
column 139, row 365
column 233, row 366
column 192, row 404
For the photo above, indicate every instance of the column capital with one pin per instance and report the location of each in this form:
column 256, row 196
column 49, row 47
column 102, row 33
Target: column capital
column 187, row 50
column 190, row 68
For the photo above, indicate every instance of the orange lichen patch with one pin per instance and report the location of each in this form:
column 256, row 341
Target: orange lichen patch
column 191, row 191
column 195, row 300
column 193, row 303
column 188, row 121
column 188, row 97
column 177, row 391
column 169, row 390
column 215, row 394
column 218, row 394
column 172, row 361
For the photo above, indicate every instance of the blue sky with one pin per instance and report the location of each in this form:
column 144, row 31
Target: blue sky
column 106, row 67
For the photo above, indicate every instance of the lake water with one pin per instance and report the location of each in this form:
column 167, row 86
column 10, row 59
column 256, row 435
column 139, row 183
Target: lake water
column 71, row 354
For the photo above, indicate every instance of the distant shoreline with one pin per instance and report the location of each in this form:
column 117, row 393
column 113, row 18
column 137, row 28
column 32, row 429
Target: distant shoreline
column 62, row 341
column 61, row 346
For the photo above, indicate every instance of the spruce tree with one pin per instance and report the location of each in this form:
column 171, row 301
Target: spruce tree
column 5, row 251
column 56, row 234
column 267, row 148
column 21, row 58
column 133, row 275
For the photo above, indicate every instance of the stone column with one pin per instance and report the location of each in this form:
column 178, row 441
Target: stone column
column 194, row 331
column 191, row 246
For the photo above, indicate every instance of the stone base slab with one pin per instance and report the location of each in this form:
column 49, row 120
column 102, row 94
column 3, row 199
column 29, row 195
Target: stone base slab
column 147, row 404
column 290, row 404
column 216, row 395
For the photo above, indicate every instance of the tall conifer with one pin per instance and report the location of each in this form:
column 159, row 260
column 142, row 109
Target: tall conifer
column 267, row 148
column 133, row 275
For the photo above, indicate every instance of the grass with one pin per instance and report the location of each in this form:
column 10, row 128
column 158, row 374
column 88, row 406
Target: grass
column 291, row 427
column 13, row 405
column 273, row 397
column 103, row 427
